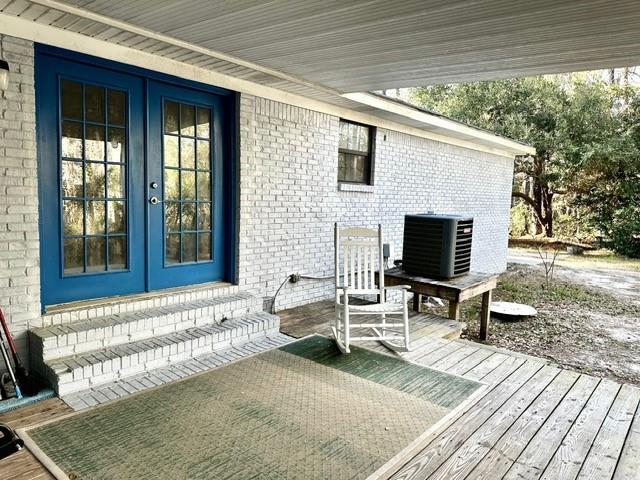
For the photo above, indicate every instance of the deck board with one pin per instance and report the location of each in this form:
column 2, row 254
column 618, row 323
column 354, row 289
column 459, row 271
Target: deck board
column 537, row 454
column 534, row 421
column 450, row 361
column 475, row 447
column 629, row 464
column 444, row 445
column 572, row 452
column 607, row 446
column 472, row 361
column 502, row 455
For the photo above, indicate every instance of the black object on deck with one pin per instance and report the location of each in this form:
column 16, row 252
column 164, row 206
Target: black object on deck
column 437, row 246
column 9, row 441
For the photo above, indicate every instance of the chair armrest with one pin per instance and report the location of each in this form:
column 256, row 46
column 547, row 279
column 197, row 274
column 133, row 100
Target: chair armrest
column 398, row 287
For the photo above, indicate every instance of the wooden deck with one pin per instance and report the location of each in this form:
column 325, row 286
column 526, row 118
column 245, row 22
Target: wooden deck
column 535, row 421
column 318, row 317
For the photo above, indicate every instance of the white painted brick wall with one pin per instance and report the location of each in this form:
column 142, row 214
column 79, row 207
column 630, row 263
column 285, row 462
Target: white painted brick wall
column 289, row 197
column 288, row 200
column 19, row 254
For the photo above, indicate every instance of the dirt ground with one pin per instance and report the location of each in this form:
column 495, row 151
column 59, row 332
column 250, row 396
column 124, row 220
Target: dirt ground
column 579, row 327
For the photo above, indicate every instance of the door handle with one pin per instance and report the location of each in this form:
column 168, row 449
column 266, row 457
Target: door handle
column 154, row 200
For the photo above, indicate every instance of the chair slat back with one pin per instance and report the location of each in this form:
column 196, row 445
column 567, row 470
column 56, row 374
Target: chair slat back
column 358, row 254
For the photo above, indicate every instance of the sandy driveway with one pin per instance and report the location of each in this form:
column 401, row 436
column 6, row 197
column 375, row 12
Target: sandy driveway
column 621, row 283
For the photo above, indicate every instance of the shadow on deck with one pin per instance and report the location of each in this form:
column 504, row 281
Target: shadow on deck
column 318, row 317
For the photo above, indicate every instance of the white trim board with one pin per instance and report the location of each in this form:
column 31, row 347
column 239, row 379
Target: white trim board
column 29, row 30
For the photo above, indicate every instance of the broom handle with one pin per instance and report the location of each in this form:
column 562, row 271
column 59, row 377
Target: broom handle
column 12, row 346
column 8, row 363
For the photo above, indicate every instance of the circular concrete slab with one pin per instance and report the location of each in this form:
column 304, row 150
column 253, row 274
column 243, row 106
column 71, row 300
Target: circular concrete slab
column 509, row 309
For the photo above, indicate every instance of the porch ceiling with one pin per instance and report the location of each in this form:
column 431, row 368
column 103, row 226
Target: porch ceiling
column 328, row 51
column 364, row 45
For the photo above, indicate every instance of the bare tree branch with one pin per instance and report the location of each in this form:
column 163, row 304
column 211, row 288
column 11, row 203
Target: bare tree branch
column 526, row 198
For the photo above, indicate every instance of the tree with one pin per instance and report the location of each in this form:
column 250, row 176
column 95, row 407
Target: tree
column 575, row 122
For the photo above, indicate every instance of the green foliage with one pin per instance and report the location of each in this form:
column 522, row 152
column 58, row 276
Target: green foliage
column 586, row 133
column 518, row 226
column 625, row 231
column 574, row 227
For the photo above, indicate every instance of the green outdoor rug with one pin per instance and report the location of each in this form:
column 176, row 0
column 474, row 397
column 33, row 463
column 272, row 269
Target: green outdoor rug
column 302, row 411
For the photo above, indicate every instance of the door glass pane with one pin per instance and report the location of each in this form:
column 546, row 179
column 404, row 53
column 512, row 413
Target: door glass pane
column 171, row 117
column 116, row 145
column 204, row 216
column 117, row 253
column 96, row 254
column 187, row 153
column 95, row 221
column 188, row 247
column 95, row 180
column 71, row 100
column 187, row 183
column 188, row 216
column 172, row 216
column 171, row 184
column 204, row 157
column 73, row 256
column 171, row 152
column 116, row 181
column 172, row 245
column 204, row 116
column 72, row 181
column 94, row 142
column 94, row 103
column 71, row 145
column 95, row 218
column 204, row 246
column 116, row 217
column 116, row 107
column 73, row 217
column 187, row 120
column 204, row 185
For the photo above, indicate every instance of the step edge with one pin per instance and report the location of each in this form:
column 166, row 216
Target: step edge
column 269, row 324
column 177, row 372
column 45, row 331
column 65, row 388
column 86, row 309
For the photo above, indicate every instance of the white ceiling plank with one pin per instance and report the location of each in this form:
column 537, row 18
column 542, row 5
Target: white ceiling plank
column 16, row 7
column 33, row 11
column 313, row 99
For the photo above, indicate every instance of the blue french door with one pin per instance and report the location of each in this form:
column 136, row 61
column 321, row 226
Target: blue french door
column 185, row 188
column 131, row 185
column 91, row 159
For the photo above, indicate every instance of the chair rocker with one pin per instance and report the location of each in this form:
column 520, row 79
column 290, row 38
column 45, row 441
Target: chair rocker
column 360, row 252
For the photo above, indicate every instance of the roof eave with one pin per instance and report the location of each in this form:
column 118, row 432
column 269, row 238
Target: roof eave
column 441, row 123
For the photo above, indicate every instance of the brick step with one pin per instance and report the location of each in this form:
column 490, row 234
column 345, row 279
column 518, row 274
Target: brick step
column 85, row 310
column 56, row 341
column 170, row 373
column 89, row 369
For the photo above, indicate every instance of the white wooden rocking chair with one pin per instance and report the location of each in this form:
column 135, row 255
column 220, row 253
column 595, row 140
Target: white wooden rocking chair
column 362, row 254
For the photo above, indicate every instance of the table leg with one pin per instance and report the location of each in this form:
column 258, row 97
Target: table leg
column 454, row 310
column 417, row 301
column 485, row 315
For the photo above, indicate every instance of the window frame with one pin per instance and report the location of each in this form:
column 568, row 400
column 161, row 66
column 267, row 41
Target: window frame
column 370, row 154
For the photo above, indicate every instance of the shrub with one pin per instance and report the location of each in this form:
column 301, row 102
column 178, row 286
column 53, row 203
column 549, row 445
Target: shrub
column 520, row 218
column 625, row 232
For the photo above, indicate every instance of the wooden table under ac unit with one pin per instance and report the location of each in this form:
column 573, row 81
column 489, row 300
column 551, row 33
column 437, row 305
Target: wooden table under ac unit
column 454, row 290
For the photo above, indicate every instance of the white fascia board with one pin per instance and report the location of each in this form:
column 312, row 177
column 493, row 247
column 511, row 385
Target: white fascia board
column 380, row 103
column 48, row 35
